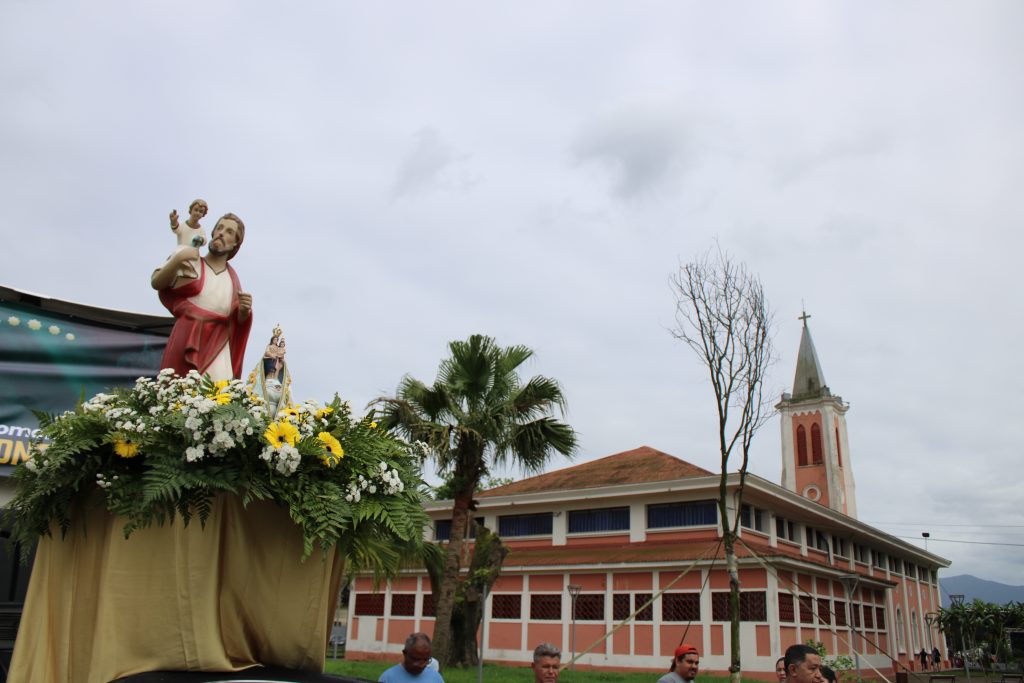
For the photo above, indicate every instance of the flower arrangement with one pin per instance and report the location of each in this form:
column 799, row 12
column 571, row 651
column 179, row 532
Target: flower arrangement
column 167, row 446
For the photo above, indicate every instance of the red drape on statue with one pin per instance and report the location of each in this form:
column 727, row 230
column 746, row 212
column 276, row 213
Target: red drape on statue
column 199, row 334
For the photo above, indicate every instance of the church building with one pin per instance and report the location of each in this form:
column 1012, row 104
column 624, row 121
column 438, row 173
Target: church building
column 620, row 559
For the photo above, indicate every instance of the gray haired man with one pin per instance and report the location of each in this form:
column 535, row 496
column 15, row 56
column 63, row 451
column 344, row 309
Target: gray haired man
column 547, row 663
column 415, row 658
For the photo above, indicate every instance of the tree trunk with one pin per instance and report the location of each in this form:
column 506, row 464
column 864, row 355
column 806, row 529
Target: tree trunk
column 444, row 602
column 734, row 606
column 488, row 555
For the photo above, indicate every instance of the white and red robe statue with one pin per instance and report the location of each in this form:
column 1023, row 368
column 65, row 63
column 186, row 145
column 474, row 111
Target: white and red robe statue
column 209, row 335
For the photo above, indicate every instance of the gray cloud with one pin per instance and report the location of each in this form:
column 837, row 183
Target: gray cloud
column 428, row 164
column 642, row 149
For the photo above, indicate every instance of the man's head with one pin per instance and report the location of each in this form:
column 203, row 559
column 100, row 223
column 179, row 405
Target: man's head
column 416, row 653
column 687, row 662
column 547, row 663
column 227, row 236
column 803, row 664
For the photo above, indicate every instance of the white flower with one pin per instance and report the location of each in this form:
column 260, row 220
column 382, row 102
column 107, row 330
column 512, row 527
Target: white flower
column 287, row 459
column 383, row 466
column 30, row 465
column 34, row 324
column 223, row 440
column 69, row 336
column 193, row 453
column 14, row 321
column 53, row 329
column 373, row 489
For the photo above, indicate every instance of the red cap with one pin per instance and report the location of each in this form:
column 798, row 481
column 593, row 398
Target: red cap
column 686, row 649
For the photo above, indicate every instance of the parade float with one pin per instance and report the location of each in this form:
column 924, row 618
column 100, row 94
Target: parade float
column 197, row 521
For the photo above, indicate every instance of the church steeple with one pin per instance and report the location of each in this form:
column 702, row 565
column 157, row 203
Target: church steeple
column 809, row 381
column 815, row 450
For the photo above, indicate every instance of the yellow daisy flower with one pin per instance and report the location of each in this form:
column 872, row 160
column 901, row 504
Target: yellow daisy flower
column 217, row 393
column 373, row 425
column 280, row 433
column 126, row 448
column 290, row 413
column 324, row 412
column 332, row 447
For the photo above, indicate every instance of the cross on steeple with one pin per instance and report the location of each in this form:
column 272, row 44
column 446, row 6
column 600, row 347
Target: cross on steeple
column 804, row 317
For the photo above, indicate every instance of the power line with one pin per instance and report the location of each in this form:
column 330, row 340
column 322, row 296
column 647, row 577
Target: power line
column 953, row 540
column 925, row 525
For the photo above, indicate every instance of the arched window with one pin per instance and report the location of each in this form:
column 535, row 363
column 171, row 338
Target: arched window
column 815, row 444
column 901, row 631
column 839, row 449
column 801, row 445
column 913, row 630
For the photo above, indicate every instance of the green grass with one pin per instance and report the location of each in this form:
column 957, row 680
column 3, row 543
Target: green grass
column 494, row 673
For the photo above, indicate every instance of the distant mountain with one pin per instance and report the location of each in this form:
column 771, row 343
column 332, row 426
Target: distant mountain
column 972, row 587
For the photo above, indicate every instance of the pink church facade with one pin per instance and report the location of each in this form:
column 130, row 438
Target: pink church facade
column 639, row 532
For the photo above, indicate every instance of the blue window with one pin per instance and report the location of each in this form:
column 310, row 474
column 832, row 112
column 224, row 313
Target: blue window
column 525, row 525
column 443, row 529
column 603, row 519
column 696, row 513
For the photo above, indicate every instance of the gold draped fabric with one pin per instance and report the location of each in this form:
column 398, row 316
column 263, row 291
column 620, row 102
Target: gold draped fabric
column 221, row 598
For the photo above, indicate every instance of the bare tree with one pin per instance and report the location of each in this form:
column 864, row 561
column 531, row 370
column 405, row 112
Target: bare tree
column 722, row 315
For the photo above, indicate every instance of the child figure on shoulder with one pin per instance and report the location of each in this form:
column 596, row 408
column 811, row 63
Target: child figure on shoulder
column 190, row 235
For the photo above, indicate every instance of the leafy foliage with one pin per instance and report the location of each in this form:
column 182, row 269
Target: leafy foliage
column 167, row 447
column 979, row 629
column 841, row 664
column 477, row 413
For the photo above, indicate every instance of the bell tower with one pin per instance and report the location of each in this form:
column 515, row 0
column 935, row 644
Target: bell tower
column 815, row 450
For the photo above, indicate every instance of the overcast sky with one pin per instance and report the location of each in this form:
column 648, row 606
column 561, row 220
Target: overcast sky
column 414, row 173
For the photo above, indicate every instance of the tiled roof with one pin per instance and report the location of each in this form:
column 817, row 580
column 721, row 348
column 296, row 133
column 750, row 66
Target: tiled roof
column 638, row 466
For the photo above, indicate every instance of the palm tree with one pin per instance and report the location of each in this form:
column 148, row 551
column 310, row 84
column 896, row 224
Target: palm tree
column 477, row 414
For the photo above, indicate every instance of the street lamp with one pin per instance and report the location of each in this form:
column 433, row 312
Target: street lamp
column 958, row 602
column 850, row 582
column 574, row 592
column 925, row 535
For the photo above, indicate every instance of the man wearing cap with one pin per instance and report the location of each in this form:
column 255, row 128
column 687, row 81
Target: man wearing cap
column 212, row 313
column 684, row 665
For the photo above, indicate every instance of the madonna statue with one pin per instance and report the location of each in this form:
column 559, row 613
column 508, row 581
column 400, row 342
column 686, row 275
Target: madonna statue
column 270, row 379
